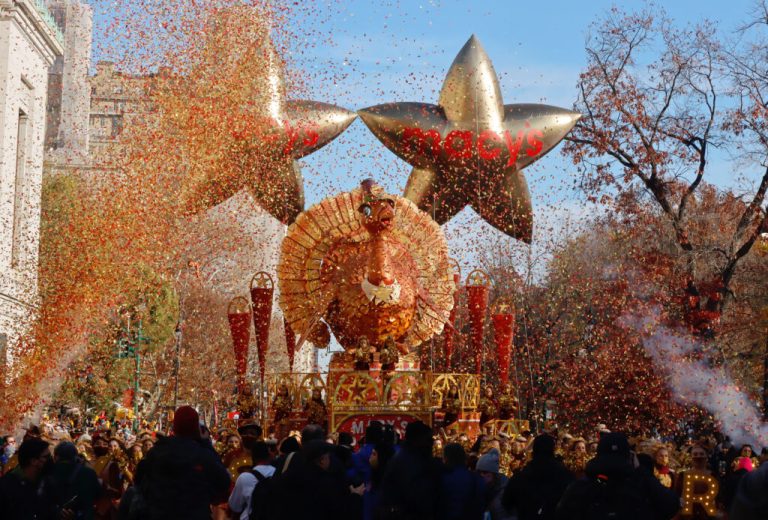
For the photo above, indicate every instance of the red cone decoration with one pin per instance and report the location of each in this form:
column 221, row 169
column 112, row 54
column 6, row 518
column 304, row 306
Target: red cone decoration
column 239, row 315
column 503, row 332
column 478, row 290
column 262, row 291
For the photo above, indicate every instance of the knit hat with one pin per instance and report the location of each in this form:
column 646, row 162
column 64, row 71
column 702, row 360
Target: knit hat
column 613, row 444
column 489, row 462
column 186, row 422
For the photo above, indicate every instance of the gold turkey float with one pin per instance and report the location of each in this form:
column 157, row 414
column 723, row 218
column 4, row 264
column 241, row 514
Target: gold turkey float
column 372, row 267
column 373, row 270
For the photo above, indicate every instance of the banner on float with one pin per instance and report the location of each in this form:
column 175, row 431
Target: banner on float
column 356, row 424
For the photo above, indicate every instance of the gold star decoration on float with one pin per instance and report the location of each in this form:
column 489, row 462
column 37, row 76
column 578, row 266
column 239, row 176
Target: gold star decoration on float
column 470, row 148
column 263, row 134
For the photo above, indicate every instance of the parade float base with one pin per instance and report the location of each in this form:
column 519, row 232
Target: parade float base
column 397, row 397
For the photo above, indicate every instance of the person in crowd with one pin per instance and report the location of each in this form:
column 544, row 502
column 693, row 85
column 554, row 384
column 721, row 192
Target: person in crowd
column 74, row 485
column 147, row 441
column 8, row 447
column 308, row 488
column 697, row 488
column 576, row 457
column 661, row 469
column 495, row 484
column 378, row 461
column 535, row 491
column 23, row 493
column 462, row 493
column 328, row 495
column 181, row 477
column 517, row 458
column 107, row 464
column 489, row 408
column 235, row 457
column 751, row 499
column 361, row 466
column 409, row 489
column 730, row 484
column 614, row 488
column 288, row 446
column 32, row 432
column 135, row 454
column 240, row 499
column 746, row 459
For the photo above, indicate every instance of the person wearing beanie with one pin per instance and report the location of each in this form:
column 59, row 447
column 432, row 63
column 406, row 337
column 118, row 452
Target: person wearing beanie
column 74, row 485
column 462, row 492
column 186, row 423
column 495, row 484
column 535, row 490
column 181, row 476
column 616, row 488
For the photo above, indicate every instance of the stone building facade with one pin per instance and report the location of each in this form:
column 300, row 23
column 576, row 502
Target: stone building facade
column 66, row 136
column 30, row 42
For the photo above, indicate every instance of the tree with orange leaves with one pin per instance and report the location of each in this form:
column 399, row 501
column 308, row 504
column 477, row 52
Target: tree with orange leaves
column 657, row 100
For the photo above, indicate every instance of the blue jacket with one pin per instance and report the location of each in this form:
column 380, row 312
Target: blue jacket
column 462, row 495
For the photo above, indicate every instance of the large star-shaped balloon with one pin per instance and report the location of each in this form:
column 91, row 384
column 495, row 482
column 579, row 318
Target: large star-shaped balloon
column 263, row 133
column 469, row 149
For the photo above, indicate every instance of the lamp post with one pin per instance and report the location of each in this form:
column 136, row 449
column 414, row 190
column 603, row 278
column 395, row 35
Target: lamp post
column 177, row 362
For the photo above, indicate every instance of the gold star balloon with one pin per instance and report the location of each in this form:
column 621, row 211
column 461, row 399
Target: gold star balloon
column 470, row 148
column 258, row 134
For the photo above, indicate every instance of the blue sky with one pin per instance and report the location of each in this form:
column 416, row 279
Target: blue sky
column 400, row 51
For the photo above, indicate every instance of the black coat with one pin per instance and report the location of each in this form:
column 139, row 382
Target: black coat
column 535, row 491
column 751, row 500
column 306, row 491
column 181, row 478
column 613, row 484
column 21, row 499
column 410, row 487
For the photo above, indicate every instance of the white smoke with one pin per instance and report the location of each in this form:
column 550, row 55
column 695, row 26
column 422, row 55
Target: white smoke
column 693, row 381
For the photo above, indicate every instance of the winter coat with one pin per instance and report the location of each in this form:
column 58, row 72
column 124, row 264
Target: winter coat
column 751, row 500
column 21, row 499
column 462, row 495
column 613, row 484
column 410, row 486
column 535, row 490
column 180, row 478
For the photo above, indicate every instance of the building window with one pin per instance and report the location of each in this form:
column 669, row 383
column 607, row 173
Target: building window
column 19, row 191
column 117, row 127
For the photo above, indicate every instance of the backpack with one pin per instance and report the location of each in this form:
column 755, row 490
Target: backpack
column 261, row 496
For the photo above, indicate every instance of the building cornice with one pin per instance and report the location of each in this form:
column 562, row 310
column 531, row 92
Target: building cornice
column 26, row 14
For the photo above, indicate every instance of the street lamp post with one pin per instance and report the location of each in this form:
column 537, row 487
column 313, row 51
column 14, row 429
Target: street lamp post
column 177, row 363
